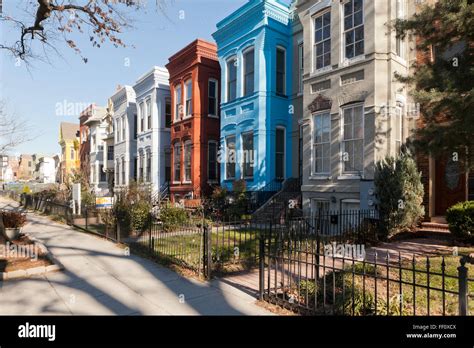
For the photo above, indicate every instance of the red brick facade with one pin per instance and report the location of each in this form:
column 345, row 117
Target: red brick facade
column 193, row 127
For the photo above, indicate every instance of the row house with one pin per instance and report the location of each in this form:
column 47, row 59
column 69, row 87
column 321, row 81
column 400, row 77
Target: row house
column 355, row 112
column 95, row 158
column 255, row 46
column 69, row 142
column 125, row 139
column 194, row 82
column 153, row 128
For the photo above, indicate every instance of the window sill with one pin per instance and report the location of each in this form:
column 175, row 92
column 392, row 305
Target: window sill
column 349, row 177
column 320, row 177
column 321, row 71
column 350, row 61
column 187, row 182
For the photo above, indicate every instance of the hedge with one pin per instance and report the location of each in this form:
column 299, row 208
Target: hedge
column 460, row 218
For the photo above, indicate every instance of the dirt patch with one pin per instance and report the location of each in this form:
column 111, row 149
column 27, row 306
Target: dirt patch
column 22, row 254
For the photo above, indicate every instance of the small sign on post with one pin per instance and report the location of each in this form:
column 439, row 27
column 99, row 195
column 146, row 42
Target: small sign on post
column 76, row 196
column 104, row 202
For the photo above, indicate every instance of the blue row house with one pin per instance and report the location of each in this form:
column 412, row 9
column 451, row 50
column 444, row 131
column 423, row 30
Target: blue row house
column 255, row 53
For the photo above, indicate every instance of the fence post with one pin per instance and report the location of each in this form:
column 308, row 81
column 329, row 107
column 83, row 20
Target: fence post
column 207, row 251
column 463, row 287
column 261, row 273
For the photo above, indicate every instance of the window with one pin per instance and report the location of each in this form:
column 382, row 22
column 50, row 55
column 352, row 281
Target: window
column 110, row 153
column 148, row 113
column 230, row 157
column 189, row 98
column 93, row 174
column 319, row 206
column 124, row 125
column 322, row 40
column 135, row 126
column 248, row 155
column 353, row 140
column 353, row 28
column 231, row 79
column 321, row 143
column 117, row 172
column 249, row 72
column 167, row 113
column 400, row 45
column 350, row 204
column 72, row 157
column 397, row 129
column 212, row 98
column 179, row 101
column 142, row 117
column 212, row 161
column 119, row 127
column 123, row 171
column 100, row 148
column 280, row 71
column 141, row 167
column 177, row 162
column 148, row 166
column 301, row 67
column 187, row 160
column 103, row 176
column 135, row 169
column 280, row 153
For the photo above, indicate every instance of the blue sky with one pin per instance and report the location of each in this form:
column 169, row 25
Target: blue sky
column 34, row 93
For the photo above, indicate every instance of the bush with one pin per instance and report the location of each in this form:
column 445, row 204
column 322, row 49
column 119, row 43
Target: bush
column 173, row 217
column 460, row 218
column 13, row 219
column 140, row 216
column 399, row 192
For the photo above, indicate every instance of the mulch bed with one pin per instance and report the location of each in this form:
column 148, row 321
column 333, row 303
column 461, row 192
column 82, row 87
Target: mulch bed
column 13, row 262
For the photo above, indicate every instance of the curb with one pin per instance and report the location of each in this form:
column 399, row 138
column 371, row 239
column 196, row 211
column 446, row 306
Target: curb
column 27, row 273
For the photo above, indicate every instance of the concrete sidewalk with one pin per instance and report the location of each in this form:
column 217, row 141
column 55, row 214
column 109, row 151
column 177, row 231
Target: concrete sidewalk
column 99, row 279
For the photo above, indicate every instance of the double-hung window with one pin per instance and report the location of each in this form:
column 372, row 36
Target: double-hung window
column 212, row 161
column 249, row 71
column 354, row 28
column 248, row 154
column 189, row 98
column 231, row 79
column 397, row 129
column 212, row 97
column 300, row 67
column 322, row 40
column 353, row 139
column 178, row 103
column 400, row 44
column 148, row 113
column 322, row 143
column 280, row 71
column 167, row 113
column 230, row 157
column 124, row 125
column 142, row 117
column 148, row 166
column 188, row 148
column 177, row 162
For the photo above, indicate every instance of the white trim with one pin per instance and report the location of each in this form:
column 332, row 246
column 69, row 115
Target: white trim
column 353, row 174
column 347, row 61
column 186, row 114
column 312, row 172
column 314, row 69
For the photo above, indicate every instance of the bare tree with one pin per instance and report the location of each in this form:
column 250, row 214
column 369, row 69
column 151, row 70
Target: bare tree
column 14, row 131
column 48, row 21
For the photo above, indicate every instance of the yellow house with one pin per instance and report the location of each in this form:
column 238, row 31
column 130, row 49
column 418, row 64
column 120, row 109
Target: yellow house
column 69, row 142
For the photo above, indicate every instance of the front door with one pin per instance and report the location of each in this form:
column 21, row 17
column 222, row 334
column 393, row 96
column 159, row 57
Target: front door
column 450, row 184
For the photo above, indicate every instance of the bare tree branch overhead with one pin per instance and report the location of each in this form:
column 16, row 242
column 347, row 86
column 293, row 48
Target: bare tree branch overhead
column 14, row 131
column 50, row 20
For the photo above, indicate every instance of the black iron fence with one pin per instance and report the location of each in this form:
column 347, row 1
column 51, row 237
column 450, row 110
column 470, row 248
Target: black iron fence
column 300, row 272
column 98, row 221
column 46, row 206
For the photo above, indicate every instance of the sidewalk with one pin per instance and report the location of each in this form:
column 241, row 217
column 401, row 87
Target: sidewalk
column 99, row 279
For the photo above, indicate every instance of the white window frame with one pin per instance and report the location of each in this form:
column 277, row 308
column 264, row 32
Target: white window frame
column 300, row 67
column 188, row 112
column 231, row 60
column 188, row 145
column 397, row 117
column 344, row 31
column 149, row 116
column 314, row 144
column 400, row 45
column 315, row 57
column 124, row 128
column 285, row 72
column 352, row 174
column 178, row 102
column 177, row 145
column 216, row 96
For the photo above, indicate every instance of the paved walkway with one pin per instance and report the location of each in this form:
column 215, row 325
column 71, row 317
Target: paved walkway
column 99, row 279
